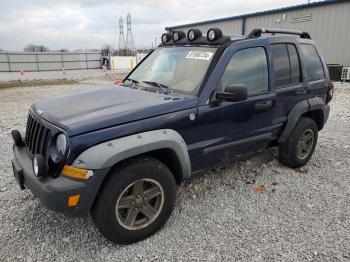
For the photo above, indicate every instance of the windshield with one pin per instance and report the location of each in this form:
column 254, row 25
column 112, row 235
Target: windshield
column 176, row 69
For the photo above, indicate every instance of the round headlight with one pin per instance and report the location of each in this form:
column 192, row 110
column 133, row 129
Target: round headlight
column 213, row 34
column 61, row 144
column 194, row 34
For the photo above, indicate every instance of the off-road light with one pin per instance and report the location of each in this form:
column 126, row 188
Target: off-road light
column 166, row 38
column 35, row 166
column 39, row 167
column 178, row 35
column 213, row 34
column 193, row 34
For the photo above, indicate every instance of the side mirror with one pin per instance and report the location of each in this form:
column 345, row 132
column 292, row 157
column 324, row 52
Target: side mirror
column 232, row 93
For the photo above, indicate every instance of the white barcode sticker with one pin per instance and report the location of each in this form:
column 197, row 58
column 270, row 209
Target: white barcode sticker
column 199, row 55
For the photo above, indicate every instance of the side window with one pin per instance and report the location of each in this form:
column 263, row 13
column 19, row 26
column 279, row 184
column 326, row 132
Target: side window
column 281, row 65
column 248, row 67
column 286, row 64
column 313, row 64
column 294, row 64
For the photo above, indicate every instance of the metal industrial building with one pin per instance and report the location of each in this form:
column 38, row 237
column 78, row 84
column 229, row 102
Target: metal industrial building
column 328, row 23
column 48, row 61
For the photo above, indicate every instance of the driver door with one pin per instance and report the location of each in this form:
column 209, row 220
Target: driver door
column 231, row 129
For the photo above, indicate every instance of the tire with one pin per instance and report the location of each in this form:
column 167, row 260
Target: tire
column 288, row 152
column 122, row 185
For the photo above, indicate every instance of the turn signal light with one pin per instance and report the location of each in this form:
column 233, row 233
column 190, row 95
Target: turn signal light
column 77, row 173
column 73, row 200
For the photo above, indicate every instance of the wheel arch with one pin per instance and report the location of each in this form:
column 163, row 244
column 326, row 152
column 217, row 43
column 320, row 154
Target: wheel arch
column 317, row 116
column 314, row 108
column 166, row 145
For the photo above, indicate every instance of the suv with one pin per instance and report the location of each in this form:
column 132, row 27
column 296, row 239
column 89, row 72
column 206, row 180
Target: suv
column 193, row 103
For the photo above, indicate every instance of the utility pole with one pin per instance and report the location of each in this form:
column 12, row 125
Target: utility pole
column 129, row 37
column 121, row 35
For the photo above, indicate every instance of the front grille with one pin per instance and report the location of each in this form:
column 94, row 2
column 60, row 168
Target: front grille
column 37, row 137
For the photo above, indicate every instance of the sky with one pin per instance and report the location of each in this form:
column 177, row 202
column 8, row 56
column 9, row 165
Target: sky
column 89, row 24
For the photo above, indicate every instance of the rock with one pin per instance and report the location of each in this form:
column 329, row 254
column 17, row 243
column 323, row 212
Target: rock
column 65, row 239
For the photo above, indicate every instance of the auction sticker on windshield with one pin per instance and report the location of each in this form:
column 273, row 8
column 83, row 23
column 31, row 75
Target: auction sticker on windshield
column 199, row 55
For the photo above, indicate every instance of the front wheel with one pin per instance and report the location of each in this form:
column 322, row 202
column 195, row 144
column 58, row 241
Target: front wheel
column 136, row 201
column 300, row 146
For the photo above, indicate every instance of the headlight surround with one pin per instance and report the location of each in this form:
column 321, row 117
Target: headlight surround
column 61, row 144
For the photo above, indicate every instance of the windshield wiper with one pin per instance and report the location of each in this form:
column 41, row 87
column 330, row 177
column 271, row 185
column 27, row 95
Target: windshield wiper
column 132, row 80
column 160, row 86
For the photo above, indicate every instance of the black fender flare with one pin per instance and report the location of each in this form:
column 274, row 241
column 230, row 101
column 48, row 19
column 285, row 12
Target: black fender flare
column 299, row 109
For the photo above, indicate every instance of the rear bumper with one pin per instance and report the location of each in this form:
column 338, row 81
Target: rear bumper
column 326, row 113
column 54, row 192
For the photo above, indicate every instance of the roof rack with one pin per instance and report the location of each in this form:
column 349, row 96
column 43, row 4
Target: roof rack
column 257, row 32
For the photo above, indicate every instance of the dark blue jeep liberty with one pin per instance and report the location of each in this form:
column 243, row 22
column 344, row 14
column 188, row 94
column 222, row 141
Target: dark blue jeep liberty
column 195, row 102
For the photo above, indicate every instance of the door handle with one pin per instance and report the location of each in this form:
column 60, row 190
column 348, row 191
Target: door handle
column 300, row 92
column 263, row 105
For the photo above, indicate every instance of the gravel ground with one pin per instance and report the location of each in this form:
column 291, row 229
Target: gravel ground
column 254, row 210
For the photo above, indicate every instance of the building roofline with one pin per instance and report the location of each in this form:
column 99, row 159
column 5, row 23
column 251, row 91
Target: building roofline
column 272, row 11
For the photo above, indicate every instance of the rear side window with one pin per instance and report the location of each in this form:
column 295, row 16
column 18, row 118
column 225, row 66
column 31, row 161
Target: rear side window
column 286, row 64
column 313, row 64
column 294, row 64
column 248, row 67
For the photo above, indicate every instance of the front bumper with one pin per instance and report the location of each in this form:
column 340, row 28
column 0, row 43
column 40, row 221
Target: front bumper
column 54, row 192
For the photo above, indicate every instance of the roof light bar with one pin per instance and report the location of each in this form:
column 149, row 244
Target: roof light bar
column 166, row 37
column 178, row 35
column 193, row 34
column 214, row 34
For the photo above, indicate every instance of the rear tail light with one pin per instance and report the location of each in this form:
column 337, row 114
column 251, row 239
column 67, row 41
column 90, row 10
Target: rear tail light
column 330, row 92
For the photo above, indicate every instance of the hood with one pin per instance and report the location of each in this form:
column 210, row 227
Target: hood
column 109, row 106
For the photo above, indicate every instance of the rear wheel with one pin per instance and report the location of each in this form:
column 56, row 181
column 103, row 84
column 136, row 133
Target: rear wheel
column 300, row 146
column 136, row 201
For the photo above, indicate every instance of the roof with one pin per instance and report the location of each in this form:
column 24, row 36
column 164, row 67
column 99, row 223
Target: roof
column 272, row 11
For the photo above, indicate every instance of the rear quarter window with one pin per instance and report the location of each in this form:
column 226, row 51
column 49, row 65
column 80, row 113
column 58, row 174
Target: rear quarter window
column 312, row 61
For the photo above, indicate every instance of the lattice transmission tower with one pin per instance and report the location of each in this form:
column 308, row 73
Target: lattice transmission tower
column 130, row 45
column 121, row 35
